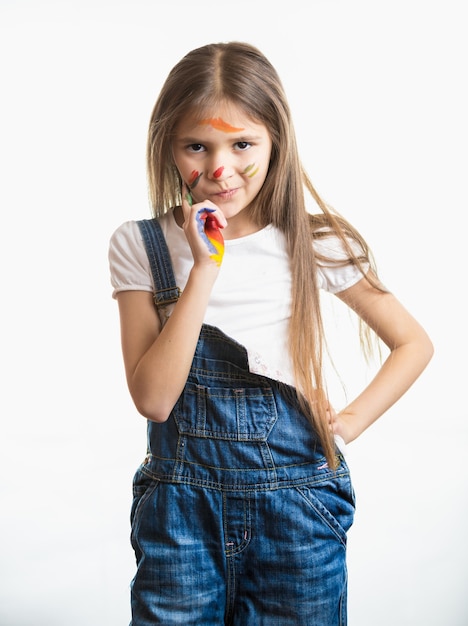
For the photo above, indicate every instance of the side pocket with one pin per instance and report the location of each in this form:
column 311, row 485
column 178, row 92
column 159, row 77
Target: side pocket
column 333, row 501
column 143, row 487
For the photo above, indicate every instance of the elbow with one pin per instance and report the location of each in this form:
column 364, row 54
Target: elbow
column 429, row 351
column 153, row 411
column 425, row 351
column 427, row 347
column 151, row 401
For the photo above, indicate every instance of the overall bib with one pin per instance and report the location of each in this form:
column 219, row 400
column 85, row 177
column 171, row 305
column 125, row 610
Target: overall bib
column 236, row 518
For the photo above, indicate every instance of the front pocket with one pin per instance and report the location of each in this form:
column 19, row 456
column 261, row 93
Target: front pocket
column 333, row 501
column 237, row 414
column 143, row 486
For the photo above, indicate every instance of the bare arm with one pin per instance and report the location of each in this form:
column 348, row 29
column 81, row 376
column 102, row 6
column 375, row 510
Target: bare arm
column 410, row 352
column 157, row 360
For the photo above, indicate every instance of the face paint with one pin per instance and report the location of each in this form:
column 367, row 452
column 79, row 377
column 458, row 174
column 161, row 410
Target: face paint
column 217, row 173
column 218, row 124
column 194, row 178
column 251, row 170
column 211, row 235
column 188, row 197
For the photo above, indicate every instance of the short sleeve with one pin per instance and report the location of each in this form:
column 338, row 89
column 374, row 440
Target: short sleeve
column 128, row 261
column 336, row 278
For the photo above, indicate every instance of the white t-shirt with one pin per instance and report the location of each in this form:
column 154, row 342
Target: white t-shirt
column 251, row 298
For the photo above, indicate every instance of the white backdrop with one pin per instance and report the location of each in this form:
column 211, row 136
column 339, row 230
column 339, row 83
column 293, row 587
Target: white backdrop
column 378, row 94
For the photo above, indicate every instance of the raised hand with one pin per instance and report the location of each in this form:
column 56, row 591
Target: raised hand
column 203, row 222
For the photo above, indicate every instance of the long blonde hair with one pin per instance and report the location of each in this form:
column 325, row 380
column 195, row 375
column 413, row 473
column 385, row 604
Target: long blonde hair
column 239, row 73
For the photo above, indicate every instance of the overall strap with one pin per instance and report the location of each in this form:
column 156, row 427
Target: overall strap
column 166, row 290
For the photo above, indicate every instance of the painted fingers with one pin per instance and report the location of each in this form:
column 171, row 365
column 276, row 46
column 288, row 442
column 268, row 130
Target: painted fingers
column 203, row 222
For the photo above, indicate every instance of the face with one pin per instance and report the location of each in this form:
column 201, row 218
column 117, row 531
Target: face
column 223, row 158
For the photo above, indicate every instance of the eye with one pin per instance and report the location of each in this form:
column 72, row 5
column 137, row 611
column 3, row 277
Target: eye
column 196, row 147
column 242, row 145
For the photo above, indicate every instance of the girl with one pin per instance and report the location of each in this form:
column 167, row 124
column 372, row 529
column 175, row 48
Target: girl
column 242, row 505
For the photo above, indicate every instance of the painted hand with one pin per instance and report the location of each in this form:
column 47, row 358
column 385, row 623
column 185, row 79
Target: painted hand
column 202, row 225
column 209, row 231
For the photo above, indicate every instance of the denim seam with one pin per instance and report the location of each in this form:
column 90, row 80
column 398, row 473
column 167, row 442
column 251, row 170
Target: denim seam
column 246, row 487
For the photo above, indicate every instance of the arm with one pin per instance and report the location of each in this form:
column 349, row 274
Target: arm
column 157, row 360
column 410, row 352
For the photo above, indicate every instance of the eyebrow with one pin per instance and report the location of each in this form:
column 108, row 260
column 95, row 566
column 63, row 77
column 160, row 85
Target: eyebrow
column 192, row 139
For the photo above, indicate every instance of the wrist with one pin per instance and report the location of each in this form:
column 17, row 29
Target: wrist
column 201, row 278
column 348, row 428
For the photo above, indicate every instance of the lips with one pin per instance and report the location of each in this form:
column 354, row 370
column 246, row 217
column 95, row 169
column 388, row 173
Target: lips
column 227, row 194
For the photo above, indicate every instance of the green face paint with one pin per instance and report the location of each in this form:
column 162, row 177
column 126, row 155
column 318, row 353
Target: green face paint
column 188, row 197
column 251, row 170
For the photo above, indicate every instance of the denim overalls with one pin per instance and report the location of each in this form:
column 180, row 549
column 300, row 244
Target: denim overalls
column 236, row 517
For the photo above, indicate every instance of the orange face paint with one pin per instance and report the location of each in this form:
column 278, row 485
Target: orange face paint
column 219, row 124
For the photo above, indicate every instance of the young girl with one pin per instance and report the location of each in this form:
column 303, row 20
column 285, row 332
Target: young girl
column 242, row 504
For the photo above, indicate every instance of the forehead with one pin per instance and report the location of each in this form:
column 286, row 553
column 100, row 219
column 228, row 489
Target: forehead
column 227, row 118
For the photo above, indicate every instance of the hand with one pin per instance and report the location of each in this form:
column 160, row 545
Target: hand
column 202, row 224
column 339, row 424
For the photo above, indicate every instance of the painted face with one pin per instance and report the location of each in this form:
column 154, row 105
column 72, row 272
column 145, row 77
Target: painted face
column 223, row 158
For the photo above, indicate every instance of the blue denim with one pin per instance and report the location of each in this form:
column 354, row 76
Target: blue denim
column 237, row 518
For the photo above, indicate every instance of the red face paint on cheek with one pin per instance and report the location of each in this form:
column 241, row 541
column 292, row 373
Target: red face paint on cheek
column 217, row 173
column 194, row 178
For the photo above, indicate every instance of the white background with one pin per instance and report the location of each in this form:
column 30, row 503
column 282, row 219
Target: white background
column 378, row 92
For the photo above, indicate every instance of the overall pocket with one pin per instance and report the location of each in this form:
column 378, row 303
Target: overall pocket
column 142, row 488
column 237, row 414
column 332, row 499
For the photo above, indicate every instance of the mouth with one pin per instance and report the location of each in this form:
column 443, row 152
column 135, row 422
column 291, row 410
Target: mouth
column 227, row 194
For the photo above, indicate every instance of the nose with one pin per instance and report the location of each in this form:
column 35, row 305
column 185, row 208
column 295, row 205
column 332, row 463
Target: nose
column 220, row 172
column 219, row 168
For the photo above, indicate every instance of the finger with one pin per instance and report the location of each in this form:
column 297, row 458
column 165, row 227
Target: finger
column 215, row 237
column 331, row 411
column 208, row 229
column 187, row 200
column 217, row 219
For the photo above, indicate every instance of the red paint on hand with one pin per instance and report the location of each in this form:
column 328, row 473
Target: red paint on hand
column 215, row 237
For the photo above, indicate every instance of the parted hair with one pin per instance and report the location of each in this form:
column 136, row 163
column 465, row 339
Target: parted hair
column 240, row 74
